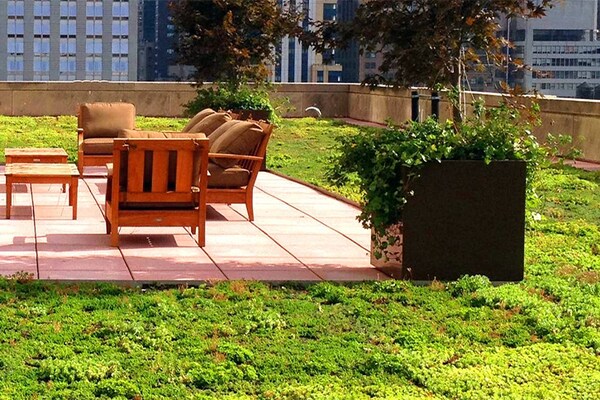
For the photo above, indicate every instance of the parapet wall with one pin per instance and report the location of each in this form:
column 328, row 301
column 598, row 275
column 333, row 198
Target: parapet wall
column 578, row 118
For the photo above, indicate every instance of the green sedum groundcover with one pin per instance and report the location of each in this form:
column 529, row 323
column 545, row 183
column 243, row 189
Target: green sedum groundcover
column 539, row 339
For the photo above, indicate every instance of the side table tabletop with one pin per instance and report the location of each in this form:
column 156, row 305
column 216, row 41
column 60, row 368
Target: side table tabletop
column 42, row 173
column 35, row 155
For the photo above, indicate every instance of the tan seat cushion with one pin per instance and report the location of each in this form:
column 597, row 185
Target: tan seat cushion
column 242, row 138
column 210, row 123
column 98, row 146
column 197, row 118
column 232, row 177
column 105, row 120
column 135, row 134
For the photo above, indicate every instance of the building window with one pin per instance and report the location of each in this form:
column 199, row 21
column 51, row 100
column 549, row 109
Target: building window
column 15, row 8
column 68, row 27
column 68, row 46
column 41, row 46
column 15, row 27
column 41, row 8
column 120, row 27
column 93, row 68
column 15, row 45
column 120, row 9
column 93, row 46
column 120, row 67
column 93, row 27
column 329, row 12
column 15, row 64
column 320, row 76
column 120, row 46
column 68, row 8
column 93, row 8
column 41, row 27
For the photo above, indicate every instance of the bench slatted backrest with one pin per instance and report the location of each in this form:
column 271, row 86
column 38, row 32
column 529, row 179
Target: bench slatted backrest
column 159, row 172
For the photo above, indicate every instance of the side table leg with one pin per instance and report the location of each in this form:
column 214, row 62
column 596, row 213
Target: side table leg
column 9, row 184
column 73, row 195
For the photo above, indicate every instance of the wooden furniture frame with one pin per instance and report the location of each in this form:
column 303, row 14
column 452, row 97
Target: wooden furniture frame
column 148, row 198
column 253, row 163
column 42, row 173
column 84, row 159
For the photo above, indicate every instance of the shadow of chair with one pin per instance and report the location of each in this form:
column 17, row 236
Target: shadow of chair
column 97, row 125
column 157, row 182
column 232, row 176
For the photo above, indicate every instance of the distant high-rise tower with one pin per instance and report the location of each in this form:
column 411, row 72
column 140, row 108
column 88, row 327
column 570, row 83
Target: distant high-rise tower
column 349, row 57
column 296, row 63
column 45, row 40
column 157, row 56
column 562, row 49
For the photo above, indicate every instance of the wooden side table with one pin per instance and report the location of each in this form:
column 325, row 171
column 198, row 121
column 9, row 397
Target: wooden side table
column 35, row 155
column 42, row 173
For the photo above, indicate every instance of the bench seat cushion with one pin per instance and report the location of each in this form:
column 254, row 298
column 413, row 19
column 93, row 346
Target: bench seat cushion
column 232, row 177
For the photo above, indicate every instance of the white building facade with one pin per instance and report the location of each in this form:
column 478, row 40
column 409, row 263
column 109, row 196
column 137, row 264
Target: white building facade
column 562, row 48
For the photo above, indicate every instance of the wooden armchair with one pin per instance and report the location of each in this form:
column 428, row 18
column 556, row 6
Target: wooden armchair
column 97, row 125
column 157, row 182
column 232, row 176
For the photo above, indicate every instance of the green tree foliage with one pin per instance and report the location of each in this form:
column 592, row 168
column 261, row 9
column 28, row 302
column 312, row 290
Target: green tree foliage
column 231, row 41
column 426, row 42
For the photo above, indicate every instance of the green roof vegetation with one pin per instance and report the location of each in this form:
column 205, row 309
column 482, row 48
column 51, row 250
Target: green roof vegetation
column 537, row 339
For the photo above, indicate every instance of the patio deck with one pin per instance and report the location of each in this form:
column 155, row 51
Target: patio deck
column 298, row 234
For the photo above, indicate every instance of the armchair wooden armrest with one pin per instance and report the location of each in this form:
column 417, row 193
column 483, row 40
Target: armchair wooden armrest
column 234, row 156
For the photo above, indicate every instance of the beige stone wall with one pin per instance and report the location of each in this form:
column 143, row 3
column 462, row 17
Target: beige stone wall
column 578, row 118
column 62, row 98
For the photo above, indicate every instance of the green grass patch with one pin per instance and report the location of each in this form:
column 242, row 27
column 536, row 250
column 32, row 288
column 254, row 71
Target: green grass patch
column 539, row 339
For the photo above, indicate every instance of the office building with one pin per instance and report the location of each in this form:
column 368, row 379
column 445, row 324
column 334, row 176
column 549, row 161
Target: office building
column 561, row 49
column 52, row 40
column 297, row 63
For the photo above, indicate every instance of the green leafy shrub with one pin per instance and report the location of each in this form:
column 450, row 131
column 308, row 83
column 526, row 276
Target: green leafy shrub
column 226, row 98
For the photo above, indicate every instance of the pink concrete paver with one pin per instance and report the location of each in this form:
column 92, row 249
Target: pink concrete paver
column 298, row 235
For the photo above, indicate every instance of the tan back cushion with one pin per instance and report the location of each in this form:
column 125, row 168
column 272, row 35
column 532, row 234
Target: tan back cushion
column 241, row 138
column 210, row 123
column 221, row 130
column 105, row 119
column 197, row 118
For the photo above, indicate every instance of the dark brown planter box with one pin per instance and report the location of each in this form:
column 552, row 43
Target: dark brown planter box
column 465, row 217
column 258, row 115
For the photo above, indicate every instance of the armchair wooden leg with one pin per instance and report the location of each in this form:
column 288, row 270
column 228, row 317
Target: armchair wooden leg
column 114, row 236
column 250, row 208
